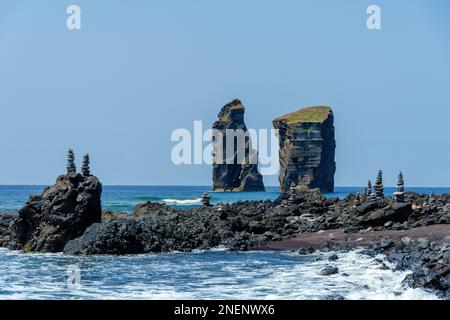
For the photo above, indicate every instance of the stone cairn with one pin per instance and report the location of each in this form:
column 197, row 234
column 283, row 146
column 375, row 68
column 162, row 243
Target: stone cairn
column 85, row 168
column 400, row 192
column 71, row 168
column 379, row 191
column 369, row 189
column 206, row 199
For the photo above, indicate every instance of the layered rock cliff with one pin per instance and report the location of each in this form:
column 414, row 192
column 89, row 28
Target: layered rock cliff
column 307, row 148
column 237, row 170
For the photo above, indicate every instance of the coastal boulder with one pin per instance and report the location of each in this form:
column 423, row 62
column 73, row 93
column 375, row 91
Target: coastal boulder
column 307, row 147
column 236, row 170
column 113, row 237
column 61, row 213
column 7, row 237
column 394, row 212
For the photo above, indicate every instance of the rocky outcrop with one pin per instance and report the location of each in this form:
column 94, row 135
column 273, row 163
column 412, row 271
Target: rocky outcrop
column 307, row 148
column 67, row 216
column 61, row 213
column 7, row 235
column 427, row 261
column 155, row 227
column 240, row 171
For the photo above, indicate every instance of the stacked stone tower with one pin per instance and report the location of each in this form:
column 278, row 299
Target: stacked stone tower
column 85, row 168
column 71, row 168
column 369, row 188
column 379, row 190
column 400, row 192
column 206, row 198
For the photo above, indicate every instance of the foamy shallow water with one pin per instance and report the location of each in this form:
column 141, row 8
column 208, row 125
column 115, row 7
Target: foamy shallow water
column 214, row 274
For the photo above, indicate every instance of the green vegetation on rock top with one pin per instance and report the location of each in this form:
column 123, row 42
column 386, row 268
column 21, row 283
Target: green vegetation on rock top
column 308, row 114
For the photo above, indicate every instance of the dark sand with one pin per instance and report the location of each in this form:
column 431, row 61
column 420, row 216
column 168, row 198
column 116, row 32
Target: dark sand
column 320, row 239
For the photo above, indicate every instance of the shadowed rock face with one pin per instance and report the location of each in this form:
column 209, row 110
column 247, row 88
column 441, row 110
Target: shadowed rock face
column 61, row 213
column 307, row 148
column 238, row 175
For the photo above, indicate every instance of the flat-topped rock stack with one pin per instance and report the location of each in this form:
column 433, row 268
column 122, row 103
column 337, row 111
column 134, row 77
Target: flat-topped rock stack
column 307, row 148
column 231, row 173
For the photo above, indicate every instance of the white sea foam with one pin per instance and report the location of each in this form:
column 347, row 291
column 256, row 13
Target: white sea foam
column 182, row 202
column 203, row 275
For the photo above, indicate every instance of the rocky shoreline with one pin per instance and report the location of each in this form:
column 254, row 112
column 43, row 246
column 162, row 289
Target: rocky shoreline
column 67, row 218
column 423, row 250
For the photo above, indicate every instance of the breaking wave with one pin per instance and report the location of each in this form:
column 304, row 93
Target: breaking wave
column 213, row 274
column 182, row 202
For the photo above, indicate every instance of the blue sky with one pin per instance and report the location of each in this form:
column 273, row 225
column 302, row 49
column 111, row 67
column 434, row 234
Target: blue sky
column 137, row 70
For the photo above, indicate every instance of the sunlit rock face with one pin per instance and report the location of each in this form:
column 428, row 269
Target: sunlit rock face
column 62, row 212
column 234, row 175
column 307, row 147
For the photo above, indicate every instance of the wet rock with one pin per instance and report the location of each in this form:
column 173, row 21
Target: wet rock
column 7, row 237
column 329, row 270
column 333, row 257
column 431, row 281
column 304, row 251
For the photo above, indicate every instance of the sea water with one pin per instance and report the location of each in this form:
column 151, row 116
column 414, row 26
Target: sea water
column 212, row 274
column 124, row 198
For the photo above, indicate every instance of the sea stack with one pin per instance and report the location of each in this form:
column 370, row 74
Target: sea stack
column 237, row 170
column 307, row 147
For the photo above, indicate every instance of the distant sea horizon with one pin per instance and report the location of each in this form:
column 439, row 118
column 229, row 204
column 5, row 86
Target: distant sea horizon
column 125, row 197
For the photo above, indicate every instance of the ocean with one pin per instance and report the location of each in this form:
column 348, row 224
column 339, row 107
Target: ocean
column 124, row 198
column 211, row 274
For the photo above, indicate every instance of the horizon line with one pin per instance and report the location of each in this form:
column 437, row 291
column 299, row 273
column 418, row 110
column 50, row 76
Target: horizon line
column 206, row 186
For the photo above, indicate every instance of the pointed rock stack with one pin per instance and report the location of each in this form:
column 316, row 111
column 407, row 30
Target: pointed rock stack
column 400, row 193
column 369, row 189
column 379, row 191
column 235, row 165
column 85, row 168
column 71, row 168
column 206, row 199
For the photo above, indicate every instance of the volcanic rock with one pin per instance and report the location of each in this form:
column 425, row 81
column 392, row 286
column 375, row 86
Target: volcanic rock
column 329, row 270
column 307, row 147
column 61, row 213
column 239, row 172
